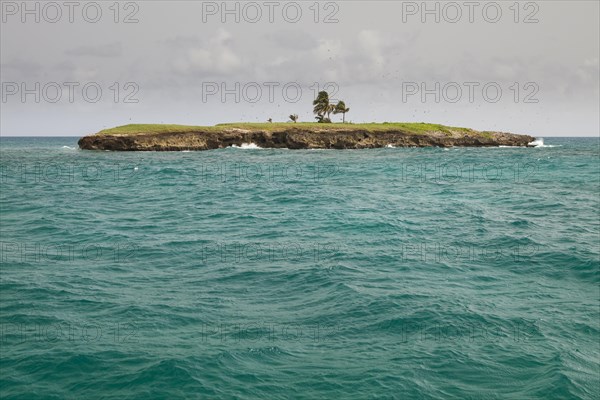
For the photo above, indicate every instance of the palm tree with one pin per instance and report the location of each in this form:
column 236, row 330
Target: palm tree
column 330, row 109
column 340, row 108
column 294, row 117
column 322, row 105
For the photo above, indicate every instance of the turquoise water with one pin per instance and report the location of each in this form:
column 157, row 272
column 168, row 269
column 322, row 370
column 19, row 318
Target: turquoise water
column 257, row 273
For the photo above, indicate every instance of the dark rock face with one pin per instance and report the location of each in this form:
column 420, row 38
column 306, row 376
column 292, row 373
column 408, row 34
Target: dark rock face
column 297, row 138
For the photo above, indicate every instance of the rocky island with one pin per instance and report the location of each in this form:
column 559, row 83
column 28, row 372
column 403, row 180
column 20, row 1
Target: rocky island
column 294, row 136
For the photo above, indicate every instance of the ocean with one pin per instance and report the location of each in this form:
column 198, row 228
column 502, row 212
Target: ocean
column 246, row 273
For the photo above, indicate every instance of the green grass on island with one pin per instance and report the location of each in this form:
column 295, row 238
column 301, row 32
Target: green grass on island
column 408, row 127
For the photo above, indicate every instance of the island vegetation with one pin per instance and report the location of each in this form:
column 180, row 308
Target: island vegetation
column 323, row 108
column 416, row 128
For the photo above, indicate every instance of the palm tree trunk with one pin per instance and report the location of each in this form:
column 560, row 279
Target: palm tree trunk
column 343, row 118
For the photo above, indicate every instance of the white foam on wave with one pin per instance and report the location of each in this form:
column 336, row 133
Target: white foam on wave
column 390, row 146
column 246, row 146
column 68, row 147
column 539, row 142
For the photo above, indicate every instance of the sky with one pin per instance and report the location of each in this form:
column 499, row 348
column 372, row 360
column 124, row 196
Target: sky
column 74, row 68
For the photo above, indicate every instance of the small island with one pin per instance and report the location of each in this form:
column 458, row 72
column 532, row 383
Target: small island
column 323, row 134
column 293, row 136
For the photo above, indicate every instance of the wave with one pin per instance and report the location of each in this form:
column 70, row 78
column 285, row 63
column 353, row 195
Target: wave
column 246, row 146
column 539, row 142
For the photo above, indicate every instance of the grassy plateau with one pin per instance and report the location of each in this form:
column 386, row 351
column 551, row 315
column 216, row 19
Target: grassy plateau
column 408, row 127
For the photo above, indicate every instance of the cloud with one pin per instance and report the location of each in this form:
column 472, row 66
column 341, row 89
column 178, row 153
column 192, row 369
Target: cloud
column 589, row 71
column 108, row 50
column 371, row 44
column 292, row 39
column 347, row 60
column 20, row 69
column 213, row 56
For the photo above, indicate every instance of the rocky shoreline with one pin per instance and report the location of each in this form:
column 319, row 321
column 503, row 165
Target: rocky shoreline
column 298, row 138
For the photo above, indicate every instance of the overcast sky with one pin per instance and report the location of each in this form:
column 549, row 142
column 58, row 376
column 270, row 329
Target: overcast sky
column 531, row 68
